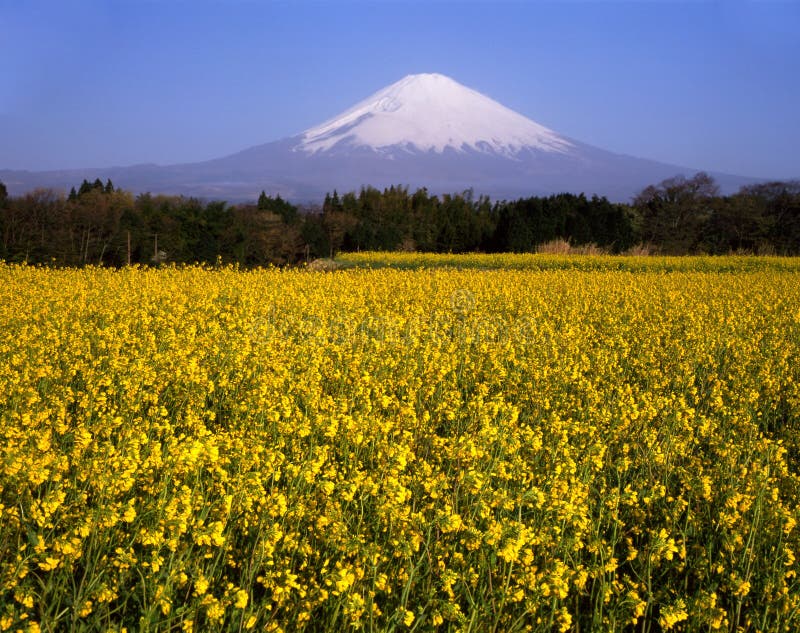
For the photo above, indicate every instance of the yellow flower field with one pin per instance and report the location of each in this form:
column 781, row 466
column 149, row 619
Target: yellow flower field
column 497, row 446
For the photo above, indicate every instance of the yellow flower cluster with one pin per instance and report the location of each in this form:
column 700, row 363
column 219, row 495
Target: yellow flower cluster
column 483, row 446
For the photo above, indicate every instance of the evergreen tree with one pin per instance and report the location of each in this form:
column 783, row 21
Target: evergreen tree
column 277, row 205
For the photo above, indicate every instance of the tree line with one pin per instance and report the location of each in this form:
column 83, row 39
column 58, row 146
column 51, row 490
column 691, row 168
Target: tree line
column 100, row 224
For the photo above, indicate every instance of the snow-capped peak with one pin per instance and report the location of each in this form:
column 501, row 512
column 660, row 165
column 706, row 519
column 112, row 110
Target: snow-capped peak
column 431, row 112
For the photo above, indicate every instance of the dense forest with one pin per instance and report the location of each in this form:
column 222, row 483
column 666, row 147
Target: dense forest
column 102, row 225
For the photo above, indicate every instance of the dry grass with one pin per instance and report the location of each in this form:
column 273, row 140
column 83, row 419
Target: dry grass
column 561, row 246
column 323, row 265
column 640, row 250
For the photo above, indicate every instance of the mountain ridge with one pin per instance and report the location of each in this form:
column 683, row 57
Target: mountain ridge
column 425, row 130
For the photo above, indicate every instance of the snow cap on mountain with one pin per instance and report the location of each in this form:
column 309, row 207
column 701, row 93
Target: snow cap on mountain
column 431, row 112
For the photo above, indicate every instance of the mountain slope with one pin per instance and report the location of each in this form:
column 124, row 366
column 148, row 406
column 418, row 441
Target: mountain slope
column 422, row 131
column 431, row 112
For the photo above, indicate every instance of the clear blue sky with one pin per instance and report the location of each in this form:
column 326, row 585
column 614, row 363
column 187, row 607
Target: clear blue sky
column 709, row 85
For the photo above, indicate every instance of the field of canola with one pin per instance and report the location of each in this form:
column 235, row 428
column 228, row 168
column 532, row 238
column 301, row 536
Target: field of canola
column 542, row 449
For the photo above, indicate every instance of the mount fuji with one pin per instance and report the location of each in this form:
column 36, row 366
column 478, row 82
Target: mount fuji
column 431, row 113
column 425, row 130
